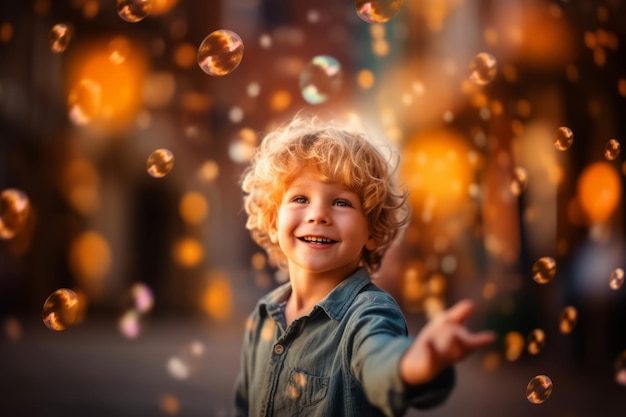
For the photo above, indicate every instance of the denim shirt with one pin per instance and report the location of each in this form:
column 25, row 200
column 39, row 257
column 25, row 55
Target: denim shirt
column 340, row 360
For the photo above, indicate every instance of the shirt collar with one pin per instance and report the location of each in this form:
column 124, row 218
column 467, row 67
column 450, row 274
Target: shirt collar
column 335, row 304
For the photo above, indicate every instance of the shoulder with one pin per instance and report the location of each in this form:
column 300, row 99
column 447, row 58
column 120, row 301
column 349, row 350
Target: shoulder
column 374, row 306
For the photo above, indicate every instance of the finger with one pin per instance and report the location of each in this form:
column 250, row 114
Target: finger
column 477, row 340
column 459, row 312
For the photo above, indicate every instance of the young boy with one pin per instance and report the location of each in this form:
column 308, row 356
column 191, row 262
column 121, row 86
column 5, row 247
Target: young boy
column 329, row 343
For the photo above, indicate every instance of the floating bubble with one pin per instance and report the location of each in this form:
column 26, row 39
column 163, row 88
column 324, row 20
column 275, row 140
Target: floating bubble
column 59, row 37
column 320, row 79
column 377, row 11
column 620, row 368
column 536, row 341
column 60, row 309
column 568, row 319
column 220, row 53
column 84, row 102
column 539, row 389
column 611, row 149
column 134, row 10
column 14, row 209
column 160, row 163
column 544, row 270
column 519, row 181
column 483, row 68
column 564, row 138
column 617, row 279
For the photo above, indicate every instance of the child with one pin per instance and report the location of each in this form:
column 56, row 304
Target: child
column 322, row 201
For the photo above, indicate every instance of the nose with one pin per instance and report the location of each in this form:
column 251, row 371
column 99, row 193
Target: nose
column 317, row 214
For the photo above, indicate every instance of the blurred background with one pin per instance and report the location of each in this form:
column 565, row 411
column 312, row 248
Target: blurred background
column 126, row 272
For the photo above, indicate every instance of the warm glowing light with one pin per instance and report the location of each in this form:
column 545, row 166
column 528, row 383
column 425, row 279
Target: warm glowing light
column 90, row 260
column 217, row 299
column 280, row 100
column 14, row 210
column 80, row 185
column 187, row 252
column 514, row 344
column 599, row 191
column 193, row 208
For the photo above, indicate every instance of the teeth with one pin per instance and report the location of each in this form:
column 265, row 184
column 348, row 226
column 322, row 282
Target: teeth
column 317, row 239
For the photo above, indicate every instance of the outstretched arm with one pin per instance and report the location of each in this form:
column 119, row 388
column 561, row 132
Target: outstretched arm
column 443, row 341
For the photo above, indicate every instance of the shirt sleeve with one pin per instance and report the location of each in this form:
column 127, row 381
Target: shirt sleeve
column 379, row 339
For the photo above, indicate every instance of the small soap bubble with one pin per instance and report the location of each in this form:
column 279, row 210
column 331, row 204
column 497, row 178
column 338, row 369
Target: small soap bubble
column 611, row 149
column 160, row 163
column 134, row 10
column 320, row 79
column 544, row 270
column 564, row 138
column 14, row 209
column 60, row 309
column 539, row 389
column 519, row 181
column 59, row 37
column 620, row 368
column 568, row 319
column 220, row 52
column 536, row 341
column 377, row 11
column 617, row 279
column 483, row 68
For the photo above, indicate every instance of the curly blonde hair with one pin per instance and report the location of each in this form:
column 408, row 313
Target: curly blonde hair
column 331, row 154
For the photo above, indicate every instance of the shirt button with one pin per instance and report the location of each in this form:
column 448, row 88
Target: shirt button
column 279, row 349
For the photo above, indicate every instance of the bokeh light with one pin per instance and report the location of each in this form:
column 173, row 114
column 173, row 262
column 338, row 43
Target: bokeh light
column 220, row 53
column 519, row 180
column 535, row 341
column 320, row 79
column 514, row 345
column 599, row 191
column 60, row 309
column 539, row 389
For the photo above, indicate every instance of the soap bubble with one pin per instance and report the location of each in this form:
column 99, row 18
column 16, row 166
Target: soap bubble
column 133, row 10
column 84, row 102
column 539, row 389
column 611, row 149
column 536, row 341
column 564, row 138
column 60, row 309
column 568, row 319
column 377, row 11
column 14, row 209
column 482, row 69
column 59, row 37
column 544, row 270
column 320, row 79
column 617, row 279
column 160, row 163
column 220, row 52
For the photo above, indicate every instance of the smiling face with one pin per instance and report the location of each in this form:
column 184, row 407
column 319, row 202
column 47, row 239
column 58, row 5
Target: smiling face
column 321, row 228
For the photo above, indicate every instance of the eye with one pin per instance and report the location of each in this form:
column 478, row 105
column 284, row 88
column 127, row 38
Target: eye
column 299, row 200
column 342, row 203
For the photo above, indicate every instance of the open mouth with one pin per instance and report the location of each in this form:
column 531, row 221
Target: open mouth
column 317, row 240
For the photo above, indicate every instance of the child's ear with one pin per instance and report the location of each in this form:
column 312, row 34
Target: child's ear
column 371, row 243
column 273, row 233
